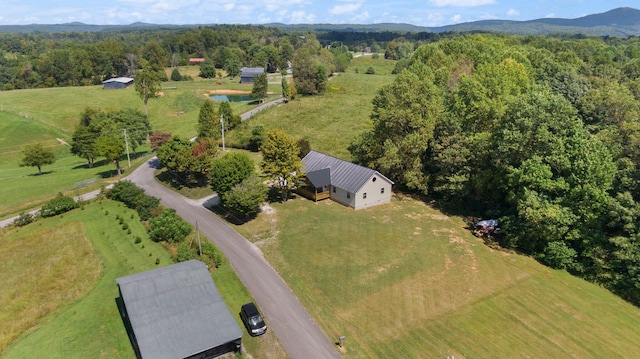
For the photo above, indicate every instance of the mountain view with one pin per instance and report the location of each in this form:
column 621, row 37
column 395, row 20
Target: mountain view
column 621, row 22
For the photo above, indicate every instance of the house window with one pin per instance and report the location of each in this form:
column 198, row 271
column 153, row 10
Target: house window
column 382, row 190
column 348, row 195
column 364, row 195
column 334, row 189
column 374, row 179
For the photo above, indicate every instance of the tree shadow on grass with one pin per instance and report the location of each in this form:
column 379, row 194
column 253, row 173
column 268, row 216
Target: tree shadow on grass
column 95, row 164
column 230, row 217
column 274, row 195
column 40, row 174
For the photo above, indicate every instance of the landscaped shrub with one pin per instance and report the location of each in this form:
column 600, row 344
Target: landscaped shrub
column 210, row 255
column 147, row 207
column 184, row 253
column 134, row 197
column 58, row 205
column 23, row 219
column 245, row 198
column 168, row 226
column 126, row 192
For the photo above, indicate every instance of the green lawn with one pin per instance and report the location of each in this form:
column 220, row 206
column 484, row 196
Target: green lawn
column 72, row 282
column 404, row 280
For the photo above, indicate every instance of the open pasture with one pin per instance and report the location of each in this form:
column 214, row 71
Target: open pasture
column 403, row 280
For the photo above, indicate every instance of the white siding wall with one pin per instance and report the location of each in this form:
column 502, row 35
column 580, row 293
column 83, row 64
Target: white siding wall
column 339, row 195
column 377, row 189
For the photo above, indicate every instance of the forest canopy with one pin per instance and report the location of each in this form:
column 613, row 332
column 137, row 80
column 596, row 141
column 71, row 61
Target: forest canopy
column 540, row 132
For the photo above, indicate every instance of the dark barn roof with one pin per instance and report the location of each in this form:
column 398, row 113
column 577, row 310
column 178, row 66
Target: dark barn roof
column 251, row 71
column 343, row 174
column 177, row 311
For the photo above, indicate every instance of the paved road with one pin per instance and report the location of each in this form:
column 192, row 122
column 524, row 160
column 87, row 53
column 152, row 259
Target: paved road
column 264, row 106
column 298, row 332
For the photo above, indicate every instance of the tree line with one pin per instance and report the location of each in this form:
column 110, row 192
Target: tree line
column 541, row 133
column 40, row 60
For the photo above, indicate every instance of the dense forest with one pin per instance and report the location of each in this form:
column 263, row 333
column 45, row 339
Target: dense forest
column 541, row 133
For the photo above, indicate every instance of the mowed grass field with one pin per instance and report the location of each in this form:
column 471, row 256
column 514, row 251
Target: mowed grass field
column 403, row 280
column 59, row 286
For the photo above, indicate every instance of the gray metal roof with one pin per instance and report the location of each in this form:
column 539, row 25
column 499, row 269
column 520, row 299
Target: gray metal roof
column 319, row 178
column 345, row 175
column 124, row 80
column 176, row 311
column 251, row 71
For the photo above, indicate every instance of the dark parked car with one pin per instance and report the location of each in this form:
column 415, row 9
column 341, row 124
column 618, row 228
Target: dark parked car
column 252, row 319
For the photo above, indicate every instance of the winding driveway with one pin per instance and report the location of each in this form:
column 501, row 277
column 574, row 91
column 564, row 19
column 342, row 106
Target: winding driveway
column 299, row 334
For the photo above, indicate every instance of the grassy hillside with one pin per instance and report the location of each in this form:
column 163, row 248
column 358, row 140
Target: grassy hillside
column 59, row 285
column 405, row 280
column 329, row 121
column 49, row 116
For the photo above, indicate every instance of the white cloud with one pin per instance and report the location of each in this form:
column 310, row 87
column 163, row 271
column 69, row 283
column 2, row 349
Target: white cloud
column 360, row 18
column 461, row 3
column 345, row 8
column 301, row 17
column 513, row 13
column 455, row 19
column 548, row 16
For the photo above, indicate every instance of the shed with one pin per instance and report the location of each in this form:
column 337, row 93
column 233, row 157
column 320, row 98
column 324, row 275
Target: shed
column 176, row 312
column 344, row 182
column 248, row 73
column 196, row 60
column 117, row 83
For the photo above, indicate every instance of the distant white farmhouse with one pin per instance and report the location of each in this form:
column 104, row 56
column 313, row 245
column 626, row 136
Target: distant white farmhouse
column 344, row 182
column 117, row 83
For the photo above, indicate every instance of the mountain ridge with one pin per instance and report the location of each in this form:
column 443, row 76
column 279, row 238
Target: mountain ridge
column 620, row 22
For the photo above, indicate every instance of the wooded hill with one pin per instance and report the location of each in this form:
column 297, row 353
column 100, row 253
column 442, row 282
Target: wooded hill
column 620, row 22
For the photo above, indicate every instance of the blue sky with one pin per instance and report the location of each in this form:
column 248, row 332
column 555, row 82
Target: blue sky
column 423, row 13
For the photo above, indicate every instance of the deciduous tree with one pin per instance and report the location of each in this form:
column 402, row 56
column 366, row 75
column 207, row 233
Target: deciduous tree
column 147, row 84
column 112, row 148
column 260, row 87
column 230, row 170
column 208, row 122
column 37, row 155
column 280, row 161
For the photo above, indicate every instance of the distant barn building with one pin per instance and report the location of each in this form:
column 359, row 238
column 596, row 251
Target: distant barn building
column 176, row 312
column 248, row 73
column 344, row 182
column 117, row 83
column 196, row 60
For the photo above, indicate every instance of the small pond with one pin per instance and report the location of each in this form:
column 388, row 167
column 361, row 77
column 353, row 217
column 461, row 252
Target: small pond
column 232, row 98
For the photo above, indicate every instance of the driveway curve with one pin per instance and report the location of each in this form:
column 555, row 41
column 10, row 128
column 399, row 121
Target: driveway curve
column 299, row 334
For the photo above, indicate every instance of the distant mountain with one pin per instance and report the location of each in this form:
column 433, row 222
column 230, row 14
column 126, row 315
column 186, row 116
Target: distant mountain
column 620, row 22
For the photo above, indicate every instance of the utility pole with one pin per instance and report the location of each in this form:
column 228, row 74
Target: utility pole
column 222, row 125
column 126, row 143
column 199, row 245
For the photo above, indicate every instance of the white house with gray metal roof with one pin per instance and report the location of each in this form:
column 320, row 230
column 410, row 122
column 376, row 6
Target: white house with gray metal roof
column 344, row 182
column 176, row 312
